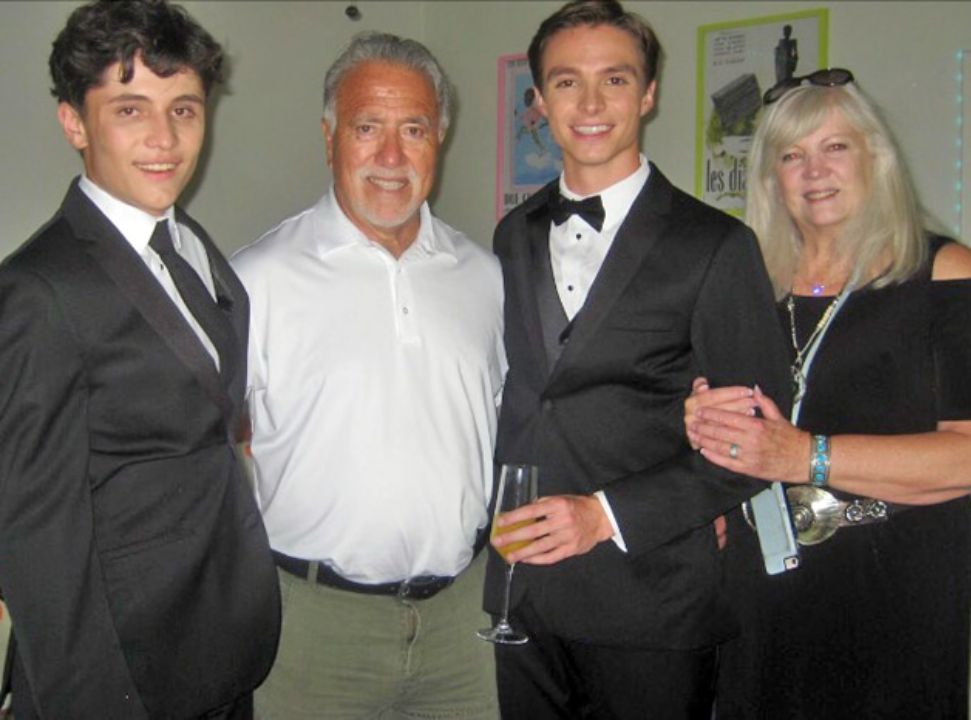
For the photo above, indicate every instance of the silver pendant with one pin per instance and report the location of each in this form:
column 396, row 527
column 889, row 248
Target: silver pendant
column 798, row 383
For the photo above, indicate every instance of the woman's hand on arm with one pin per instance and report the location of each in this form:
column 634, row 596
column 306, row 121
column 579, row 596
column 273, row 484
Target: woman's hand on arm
column 767, row 447
column 911, row 469
column 735, row 398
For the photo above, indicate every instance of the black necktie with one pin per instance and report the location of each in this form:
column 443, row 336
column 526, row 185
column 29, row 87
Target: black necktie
column 194, row 293
column 590, row 209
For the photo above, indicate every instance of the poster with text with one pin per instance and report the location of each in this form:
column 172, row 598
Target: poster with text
column 737, row 62
column 527, row 156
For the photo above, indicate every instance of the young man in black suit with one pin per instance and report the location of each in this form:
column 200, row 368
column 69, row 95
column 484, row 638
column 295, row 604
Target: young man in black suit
column 620, row 289
column 132, row 555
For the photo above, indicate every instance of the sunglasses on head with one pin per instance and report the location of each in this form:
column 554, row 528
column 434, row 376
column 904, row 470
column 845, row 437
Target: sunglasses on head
column 828, row 77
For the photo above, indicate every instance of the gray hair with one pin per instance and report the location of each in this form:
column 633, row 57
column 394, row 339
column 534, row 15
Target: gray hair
column 885, row 242
column 374, row 46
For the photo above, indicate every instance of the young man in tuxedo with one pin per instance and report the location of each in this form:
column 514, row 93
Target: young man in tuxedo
column 619, row 290
column 132, row 556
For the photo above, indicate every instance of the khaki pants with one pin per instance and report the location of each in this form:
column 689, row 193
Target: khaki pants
column 349, row 655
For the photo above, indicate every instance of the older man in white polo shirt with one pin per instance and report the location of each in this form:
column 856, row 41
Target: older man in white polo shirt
column 376, row 364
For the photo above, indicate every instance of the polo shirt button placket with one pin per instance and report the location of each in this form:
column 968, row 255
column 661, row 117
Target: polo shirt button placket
column 405, row 306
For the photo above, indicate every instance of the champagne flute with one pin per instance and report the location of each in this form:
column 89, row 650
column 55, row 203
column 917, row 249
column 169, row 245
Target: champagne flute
column 517, row 487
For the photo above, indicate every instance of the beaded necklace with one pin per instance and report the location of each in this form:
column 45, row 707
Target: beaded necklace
column 800, row 365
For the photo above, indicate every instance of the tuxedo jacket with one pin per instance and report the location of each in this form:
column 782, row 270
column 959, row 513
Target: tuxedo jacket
column 682, row 292
column 132, row 555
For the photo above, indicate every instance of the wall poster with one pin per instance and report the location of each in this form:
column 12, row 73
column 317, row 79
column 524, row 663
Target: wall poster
column 737, row 62
column 527, row 156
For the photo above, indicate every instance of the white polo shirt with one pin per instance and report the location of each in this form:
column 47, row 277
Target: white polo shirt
column 373, row 388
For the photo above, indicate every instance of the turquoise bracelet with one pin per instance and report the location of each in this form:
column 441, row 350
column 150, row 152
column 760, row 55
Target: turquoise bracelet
column 819, row 461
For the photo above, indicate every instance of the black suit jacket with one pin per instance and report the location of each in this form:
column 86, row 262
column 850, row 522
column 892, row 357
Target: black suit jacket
column 132, row 555
column 682, row 292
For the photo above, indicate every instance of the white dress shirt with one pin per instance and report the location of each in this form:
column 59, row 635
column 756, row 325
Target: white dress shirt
column 137, row 226
column 373, row 387
column 577, row 252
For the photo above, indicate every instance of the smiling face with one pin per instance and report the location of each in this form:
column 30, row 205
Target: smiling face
column 383, row 150
column 140, row 140
column 594, row 95
column 824, row 177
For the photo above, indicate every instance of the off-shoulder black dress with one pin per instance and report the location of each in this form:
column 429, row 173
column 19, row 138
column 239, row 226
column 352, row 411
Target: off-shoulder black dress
column 875, row 622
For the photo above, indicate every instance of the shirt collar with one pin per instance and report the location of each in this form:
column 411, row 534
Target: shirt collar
column 618, row 198
column 135, row 225
column 335, row 230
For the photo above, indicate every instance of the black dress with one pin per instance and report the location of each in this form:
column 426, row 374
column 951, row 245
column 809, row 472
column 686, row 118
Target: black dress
column 875, row 622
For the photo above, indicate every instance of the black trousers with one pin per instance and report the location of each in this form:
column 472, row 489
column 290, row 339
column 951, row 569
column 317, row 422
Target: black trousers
column 550, row 678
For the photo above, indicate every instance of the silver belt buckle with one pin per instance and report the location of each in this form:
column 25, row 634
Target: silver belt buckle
column 817, row 514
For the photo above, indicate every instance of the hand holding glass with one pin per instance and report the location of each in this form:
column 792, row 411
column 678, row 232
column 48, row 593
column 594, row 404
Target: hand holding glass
column 517, row 487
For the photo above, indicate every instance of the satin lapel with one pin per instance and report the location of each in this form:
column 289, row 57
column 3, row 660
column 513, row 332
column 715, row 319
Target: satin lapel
column 122, row 264
column 224, row 299
column 532, row 274
column 642, row 228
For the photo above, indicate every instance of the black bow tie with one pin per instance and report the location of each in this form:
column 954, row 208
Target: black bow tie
column 590, row 209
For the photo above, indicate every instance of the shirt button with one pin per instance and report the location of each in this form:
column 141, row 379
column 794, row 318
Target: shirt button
column 405, row 309
column 547, row 405
column 579, row 236
column 570, row 288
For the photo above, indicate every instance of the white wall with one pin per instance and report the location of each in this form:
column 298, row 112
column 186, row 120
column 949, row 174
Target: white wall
column 266, row 151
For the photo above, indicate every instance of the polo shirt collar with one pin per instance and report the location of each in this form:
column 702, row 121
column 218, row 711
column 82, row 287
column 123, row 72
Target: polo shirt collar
column 334, row 230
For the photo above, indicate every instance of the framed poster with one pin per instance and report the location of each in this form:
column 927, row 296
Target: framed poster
column 527, row 156
column 737, row 62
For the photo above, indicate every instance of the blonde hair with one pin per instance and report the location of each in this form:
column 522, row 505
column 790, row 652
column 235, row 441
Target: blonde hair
column 884, row 243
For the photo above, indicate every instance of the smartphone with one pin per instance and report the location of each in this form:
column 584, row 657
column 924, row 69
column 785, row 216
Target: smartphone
column 770, row 514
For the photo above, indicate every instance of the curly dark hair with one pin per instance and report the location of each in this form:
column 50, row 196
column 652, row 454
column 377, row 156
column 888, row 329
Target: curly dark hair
column 102, row 33
column 595, row 12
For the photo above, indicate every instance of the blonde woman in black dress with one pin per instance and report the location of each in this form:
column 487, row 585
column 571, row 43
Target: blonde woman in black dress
column 875, row 621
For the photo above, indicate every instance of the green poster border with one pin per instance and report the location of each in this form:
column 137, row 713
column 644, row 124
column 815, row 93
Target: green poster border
column 821, row 13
